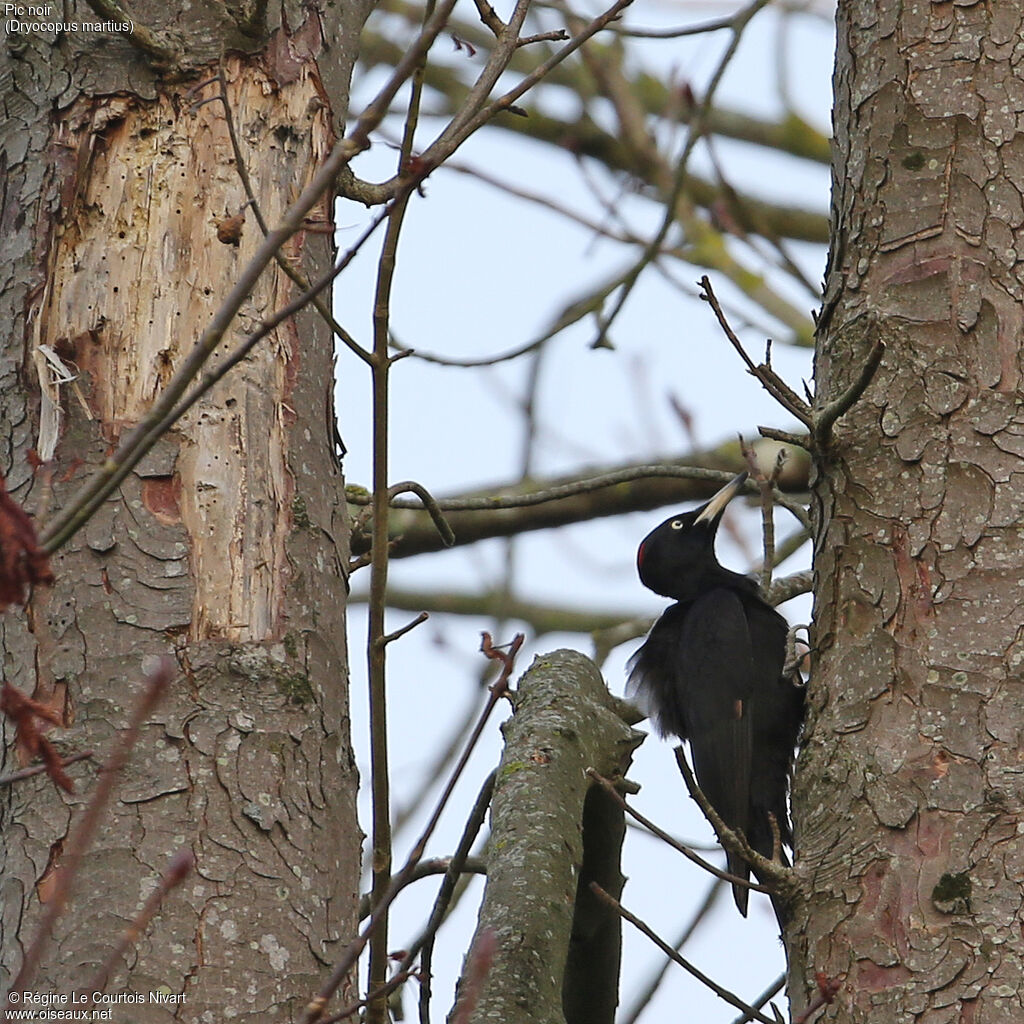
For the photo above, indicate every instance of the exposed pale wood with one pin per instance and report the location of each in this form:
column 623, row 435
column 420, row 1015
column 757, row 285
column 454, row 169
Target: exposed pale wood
column 136, row 275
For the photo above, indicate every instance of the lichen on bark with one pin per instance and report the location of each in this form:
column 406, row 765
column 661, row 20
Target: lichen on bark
column 908, row 777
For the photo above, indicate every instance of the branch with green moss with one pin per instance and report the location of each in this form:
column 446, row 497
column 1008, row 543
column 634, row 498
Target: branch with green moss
column 541, row 618
column 506, row 510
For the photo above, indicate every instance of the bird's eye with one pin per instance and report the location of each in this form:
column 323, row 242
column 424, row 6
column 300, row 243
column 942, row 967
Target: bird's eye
column 676, row 524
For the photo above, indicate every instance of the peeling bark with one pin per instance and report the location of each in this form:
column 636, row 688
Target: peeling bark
column 226, row 547
column 908, row 798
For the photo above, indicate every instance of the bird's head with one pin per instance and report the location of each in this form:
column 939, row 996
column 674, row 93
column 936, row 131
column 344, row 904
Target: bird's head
column 674, row 557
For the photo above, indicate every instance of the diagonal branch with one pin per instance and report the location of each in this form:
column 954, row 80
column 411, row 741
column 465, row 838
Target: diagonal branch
column 770, row 380
column 723, row 993
column 825, row 418
column 725, row 876
column 778, row 880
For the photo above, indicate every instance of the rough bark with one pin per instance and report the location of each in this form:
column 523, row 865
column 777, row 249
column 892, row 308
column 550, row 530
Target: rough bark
column 563, row 724
column 225, row 548
column 908, row 799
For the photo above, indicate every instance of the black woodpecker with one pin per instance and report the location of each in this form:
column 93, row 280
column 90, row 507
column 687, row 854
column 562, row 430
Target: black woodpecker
column 710, row 672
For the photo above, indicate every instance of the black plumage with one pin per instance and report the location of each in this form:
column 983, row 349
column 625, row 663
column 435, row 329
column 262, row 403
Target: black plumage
column 710, row 672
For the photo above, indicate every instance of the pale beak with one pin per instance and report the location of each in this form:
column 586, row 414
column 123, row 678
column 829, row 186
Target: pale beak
column 716, row 506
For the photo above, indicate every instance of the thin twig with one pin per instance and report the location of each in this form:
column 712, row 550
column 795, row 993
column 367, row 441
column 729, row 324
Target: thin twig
column 500, row 56
column 428, row 869
column 721, row 992
column 557, row 35
column 389, row 638
column 503, row 357
column 649, row 990
column 740, row 20
column 396, row 980
column 786, row 437
column 38, row 769
column 688, row 853
column 81, row 839
column 780, row 879
column 460, row 861
column 429, row 503
column 825, row 418
column 376, row 644
column 718, row 25
column 766, row 485
column 314, row 1010
column 181, row 865
column 466, row 124
column 489, row 16
column 794, row 655
column 788, row 587
column 773, row 989
column 770, row 380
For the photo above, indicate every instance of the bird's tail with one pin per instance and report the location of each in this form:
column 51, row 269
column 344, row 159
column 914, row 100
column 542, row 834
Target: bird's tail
column 741, row 894
column 739, row 867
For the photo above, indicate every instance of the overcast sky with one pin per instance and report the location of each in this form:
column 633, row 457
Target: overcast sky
column 480, row 273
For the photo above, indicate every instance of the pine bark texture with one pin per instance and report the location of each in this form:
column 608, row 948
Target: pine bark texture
column 909, row 797
column 225, row 548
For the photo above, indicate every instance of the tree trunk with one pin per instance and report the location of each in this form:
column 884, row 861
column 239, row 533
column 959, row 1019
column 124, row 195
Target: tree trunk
column 225, row 548
column 908, row 797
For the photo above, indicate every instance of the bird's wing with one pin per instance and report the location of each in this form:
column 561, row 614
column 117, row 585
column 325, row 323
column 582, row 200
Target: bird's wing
column 657, row 684
column 716, row 650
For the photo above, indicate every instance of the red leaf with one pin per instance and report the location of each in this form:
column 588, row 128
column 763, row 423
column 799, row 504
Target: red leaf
column 22, row 561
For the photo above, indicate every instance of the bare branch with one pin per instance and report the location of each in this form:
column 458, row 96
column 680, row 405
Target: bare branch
column 314, row 1010
column 431, row 867
column 460, row 863
column 769, row 379
column 723, row 993
column 773, row 989
column 740, row 21
column 38, row 769
column 541, row 618
column 781, row 880
column 648, row 990
column 825, row 418
column 428, row 502
column 788, row 587
column 688, row 853
column 398, row 633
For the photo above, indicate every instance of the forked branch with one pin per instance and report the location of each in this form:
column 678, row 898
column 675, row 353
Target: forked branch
column 818, row 421
column 776, row 877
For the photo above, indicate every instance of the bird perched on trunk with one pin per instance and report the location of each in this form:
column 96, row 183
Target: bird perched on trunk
column 710, row 672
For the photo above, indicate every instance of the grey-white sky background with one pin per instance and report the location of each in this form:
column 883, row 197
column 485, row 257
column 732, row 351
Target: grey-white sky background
column 480, row 273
